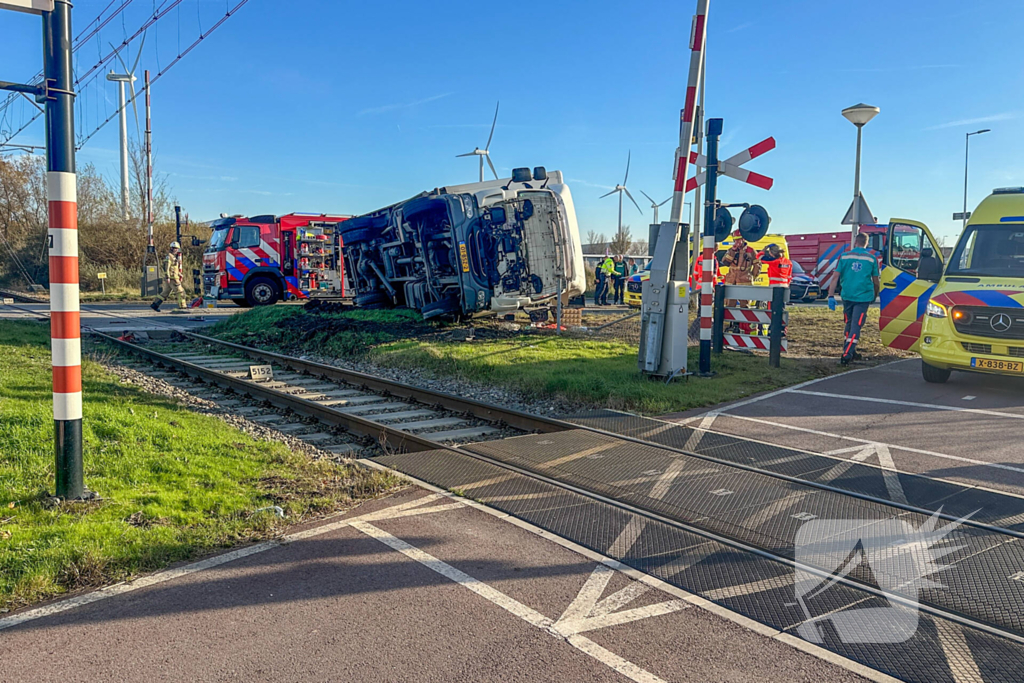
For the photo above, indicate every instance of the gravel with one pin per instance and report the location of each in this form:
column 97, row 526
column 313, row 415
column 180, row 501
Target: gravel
column 196, row 403
column 457, row 387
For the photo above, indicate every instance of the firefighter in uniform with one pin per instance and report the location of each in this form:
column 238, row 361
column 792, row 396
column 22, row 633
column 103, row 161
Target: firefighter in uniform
column 172, row 280
column 744, row 266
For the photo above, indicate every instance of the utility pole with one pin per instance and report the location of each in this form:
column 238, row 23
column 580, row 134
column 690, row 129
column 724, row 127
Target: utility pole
column 61, row 193
column 150, row 249
column 125, row 197
column 967, row 152
column 177, row 224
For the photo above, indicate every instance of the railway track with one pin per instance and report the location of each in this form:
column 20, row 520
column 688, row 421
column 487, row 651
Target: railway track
column 461, row 444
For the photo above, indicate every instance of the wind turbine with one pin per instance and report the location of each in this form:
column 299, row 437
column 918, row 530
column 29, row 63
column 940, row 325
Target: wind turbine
column 129, row 78
column 655, row 205
column 622, row 189
column 485, row 153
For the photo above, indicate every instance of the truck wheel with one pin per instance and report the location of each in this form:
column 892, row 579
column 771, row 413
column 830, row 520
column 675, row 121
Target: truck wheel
column 241, row 303
column 358, row 235
column 933, row 374
column 370, row 300
column 261, row 291
column 439, row 308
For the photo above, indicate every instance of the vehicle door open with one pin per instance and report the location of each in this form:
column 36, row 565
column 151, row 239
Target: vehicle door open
column 912, row 266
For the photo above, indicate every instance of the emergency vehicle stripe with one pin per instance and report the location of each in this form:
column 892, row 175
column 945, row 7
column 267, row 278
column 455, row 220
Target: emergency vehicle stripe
column 65, row 319
column 746, row 341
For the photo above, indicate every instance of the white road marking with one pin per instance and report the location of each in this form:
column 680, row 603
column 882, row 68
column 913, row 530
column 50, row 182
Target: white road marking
column 958, row 653
column 775, row 508
column 698, row 432
column 511, row 605
column 585, row 453
column 890, row 475
column 586, row 613
column 749, row 588
column 720, row 611
column 912, row 404
column 402, row 510
column 623, row 543
column 919, row 451
column 969, row 398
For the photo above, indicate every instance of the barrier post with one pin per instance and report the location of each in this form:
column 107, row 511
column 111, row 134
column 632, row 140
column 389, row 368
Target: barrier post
column 718, row 327
column 776, row 326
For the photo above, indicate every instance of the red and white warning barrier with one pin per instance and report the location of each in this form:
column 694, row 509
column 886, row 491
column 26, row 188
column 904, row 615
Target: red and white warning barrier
column 731, row 167
column 747, row 341
column 750, row 315
column 65, row 323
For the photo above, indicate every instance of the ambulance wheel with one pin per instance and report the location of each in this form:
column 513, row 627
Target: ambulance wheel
column 241, row 303
column 933, row 374
column 370, row 300
column 261, row 291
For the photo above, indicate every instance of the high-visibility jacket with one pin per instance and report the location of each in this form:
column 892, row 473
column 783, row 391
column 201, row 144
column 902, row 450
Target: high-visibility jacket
column 607, row 266
column 780, row 271
column 172, row 267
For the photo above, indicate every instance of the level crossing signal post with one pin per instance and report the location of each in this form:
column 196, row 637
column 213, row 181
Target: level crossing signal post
column 57, row 94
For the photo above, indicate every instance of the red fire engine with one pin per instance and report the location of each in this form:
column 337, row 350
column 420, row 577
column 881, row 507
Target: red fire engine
column 818, row 253
column 261, row 260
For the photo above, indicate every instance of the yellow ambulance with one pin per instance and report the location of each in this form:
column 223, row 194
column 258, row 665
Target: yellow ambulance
column 967, row 312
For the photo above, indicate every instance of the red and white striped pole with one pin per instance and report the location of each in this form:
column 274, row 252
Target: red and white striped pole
column 698, row 38
column 61, row 194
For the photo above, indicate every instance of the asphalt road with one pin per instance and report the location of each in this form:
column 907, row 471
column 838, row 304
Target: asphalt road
column 116, row 316
column 968, row 430
column 414, row 587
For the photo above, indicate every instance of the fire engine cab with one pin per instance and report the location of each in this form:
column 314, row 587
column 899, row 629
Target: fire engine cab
column 261, row 260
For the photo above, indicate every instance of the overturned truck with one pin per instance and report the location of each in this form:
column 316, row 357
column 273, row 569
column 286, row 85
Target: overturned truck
column 463, row 250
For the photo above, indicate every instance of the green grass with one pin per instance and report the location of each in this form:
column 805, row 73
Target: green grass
column 598, row 373
column 174, row 484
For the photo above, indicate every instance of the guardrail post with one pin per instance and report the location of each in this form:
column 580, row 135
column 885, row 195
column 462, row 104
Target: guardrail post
column 718, row 327
column 775, row 329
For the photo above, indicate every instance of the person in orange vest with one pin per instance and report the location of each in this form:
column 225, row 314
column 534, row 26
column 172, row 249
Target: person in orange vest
column 780, row 268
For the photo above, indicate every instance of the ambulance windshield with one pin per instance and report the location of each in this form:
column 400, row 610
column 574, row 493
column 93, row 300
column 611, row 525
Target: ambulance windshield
column 989, row 251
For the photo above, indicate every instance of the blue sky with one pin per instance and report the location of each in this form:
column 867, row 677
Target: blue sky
column 346, row 107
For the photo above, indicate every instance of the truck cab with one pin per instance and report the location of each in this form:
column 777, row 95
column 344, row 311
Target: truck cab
column 261, row 260
column 461, row 250
column 966, row 313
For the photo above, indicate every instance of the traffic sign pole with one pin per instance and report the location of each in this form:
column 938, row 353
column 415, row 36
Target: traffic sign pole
column 62, row 202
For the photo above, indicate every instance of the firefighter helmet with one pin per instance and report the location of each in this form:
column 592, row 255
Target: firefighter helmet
column 176, row 245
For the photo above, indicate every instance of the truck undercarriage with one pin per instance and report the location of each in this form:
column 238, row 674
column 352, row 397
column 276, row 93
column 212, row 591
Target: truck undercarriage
column 459, row 251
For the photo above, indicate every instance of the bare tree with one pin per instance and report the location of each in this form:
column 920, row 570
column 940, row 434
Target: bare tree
column 638, row 248
column 594, row 237
column 622, row 241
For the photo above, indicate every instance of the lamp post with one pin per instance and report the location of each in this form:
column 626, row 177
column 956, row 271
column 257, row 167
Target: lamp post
column 967, row 151
column 858, row 115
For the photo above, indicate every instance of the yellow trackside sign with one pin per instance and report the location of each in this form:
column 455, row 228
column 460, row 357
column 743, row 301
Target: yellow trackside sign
column 464, row 255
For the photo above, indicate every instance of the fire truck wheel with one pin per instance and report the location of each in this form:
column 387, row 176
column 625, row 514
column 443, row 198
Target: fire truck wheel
column 241, row 303
column 261, row 291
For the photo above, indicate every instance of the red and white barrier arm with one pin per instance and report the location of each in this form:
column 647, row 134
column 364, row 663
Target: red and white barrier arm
column 65, row 323
column 698, row 37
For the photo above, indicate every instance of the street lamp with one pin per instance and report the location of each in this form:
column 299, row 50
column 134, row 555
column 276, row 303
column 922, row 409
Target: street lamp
column 858, row 115
column 967, row 151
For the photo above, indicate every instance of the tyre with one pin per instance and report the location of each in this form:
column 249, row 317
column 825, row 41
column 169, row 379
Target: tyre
column 262, row 291
column 358, row 235
column 241, row 303
column 371, row 300
column 415, row 207
column 933, row 374
column 438, row 308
